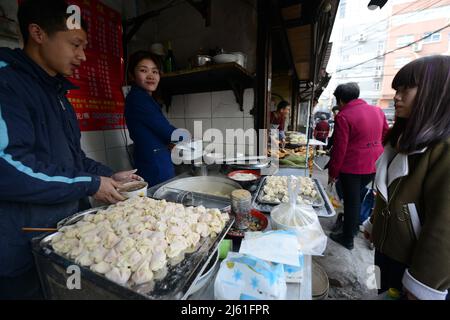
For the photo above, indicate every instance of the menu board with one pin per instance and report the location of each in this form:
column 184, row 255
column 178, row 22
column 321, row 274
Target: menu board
column 99, row 101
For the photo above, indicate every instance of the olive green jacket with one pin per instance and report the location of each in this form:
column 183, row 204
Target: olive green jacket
column 411, row 219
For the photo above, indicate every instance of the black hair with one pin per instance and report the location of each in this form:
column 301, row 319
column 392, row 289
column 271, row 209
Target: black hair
column 335, row 108
column 429, row 121
column 282, row 105
column 50, row 15
column 137, row 57
column 347, row 92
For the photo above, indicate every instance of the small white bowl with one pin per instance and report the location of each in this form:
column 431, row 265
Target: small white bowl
column 134, row 189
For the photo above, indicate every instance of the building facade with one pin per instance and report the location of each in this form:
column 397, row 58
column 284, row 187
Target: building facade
column 412, row 34
column 359, row 35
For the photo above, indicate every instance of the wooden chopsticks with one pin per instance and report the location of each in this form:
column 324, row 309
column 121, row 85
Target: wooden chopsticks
column 39, row 229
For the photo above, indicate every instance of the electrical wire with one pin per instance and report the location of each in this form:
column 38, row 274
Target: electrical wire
column 394, row 50
column 428, row 5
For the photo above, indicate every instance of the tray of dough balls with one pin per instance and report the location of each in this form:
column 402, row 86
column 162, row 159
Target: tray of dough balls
column 155, row 248
column 273, row 190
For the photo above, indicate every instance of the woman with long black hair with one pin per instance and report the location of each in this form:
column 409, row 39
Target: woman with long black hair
column 410, row 225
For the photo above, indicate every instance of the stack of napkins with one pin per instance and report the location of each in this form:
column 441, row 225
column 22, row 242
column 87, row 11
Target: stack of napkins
column 276, row 246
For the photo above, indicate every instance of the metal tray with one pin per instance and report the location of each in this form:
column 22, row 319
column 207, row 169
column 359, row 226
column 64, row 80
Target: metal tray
column 176, row 284
column 208, row 185
column 316, row 202
column 326, row 211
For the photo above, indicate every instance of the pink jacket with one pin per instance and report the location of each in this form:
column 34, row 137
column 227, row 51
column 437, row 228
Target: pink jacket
column 360, row 129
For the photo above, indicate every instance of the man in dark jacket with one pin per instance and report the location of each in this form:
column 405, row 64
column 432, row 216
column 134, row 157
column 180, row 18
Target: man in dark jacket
column 44, row 173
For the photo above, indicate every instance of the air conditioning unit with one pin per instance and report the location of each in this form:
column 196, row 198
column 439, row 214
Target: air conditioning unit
column 362, row 37
column 416, row 47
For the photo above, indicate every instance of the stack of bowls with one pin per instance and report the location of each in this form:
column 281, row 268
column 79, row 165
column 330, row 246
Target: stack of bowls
column 320, row 283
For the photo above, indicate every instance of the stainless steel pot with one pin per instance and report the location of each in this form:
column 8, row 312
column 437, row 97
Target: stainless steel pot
column 201, row 60
column 200, row 169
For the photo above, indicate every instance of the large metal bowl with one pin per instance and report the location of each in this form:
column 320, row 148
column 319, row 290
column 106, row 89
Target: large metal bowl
column 208, row 185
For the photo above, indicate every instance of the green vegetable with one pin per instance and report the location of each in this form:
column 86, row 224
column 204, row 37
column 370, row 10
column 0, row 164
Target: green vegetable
column 288, row 163
column 298, row 160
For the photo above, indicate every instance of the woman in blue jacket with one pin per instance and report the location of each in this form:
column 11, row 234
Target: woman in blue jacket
column 150, row 131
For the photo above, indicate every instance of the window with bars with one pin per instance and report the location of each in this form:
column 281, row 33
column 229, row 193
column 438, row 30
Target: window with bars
column 431, row 37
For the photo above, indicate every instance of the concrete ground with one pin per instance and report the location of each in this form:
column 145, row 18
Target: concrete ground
column 348, row 270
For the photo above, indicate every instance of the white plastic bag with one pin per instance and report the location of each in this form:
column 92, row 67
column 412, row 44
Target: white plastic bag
column 302, row 219
column 243, row 277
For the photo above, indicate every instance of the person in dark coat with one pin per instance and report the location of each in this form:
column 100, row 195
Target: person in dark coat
column 44, row 173
column 358, row 142
column 149, row 129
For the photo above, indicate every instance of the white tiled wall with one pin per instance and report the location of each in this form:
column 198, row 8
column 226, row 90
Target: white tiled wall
column 198, row 105
column 206, row 123
column 107, row 147
column 224, row 105
column 177, row 109
column 214, row 109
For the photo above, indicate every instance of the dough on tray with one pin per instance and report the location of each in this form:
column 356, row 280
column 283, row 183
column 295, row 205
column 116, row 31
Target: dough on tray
column 119, row 275
column 101, row 267
column 129, row 241
column 143, row 273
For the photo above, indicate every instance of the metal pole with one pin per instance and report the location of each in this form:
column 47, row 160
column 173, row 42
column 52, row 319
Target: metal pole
column 313, row 87
column 308, row 116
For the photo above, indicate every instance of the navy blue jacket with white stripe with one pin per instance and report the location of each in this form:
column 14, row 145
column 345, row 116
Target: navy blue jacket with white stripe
column 43, row 171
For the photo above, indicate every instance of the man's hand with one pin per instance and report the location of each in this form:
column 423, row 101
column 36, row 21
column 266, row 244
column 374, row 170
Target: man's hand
column 108, row 191
column 126, row 176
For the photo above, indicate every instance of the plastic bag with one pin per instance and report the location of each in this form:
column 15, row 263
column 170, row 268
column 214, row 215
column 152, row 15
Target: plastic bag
column 302, row 219
column 333, row 196
column 243, row 277
column 367, row 205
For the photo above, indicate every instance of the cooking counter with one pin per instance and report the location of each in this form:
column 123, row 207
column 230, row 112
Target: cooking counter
column 295, row 291
column 326, row 210
column 52, row 267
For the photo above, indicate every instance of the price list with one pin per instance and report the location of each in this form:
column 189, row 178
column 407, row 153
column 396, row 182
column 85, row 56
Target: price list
column 99, row 101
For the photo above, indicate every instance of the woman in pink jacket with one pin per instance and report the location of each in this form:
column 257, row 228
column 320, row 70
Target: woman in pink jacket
column 359, row 132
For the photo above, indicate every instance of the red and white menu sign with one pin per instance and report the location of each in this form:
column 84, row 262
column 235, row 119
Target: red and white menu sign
column 99, row 103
